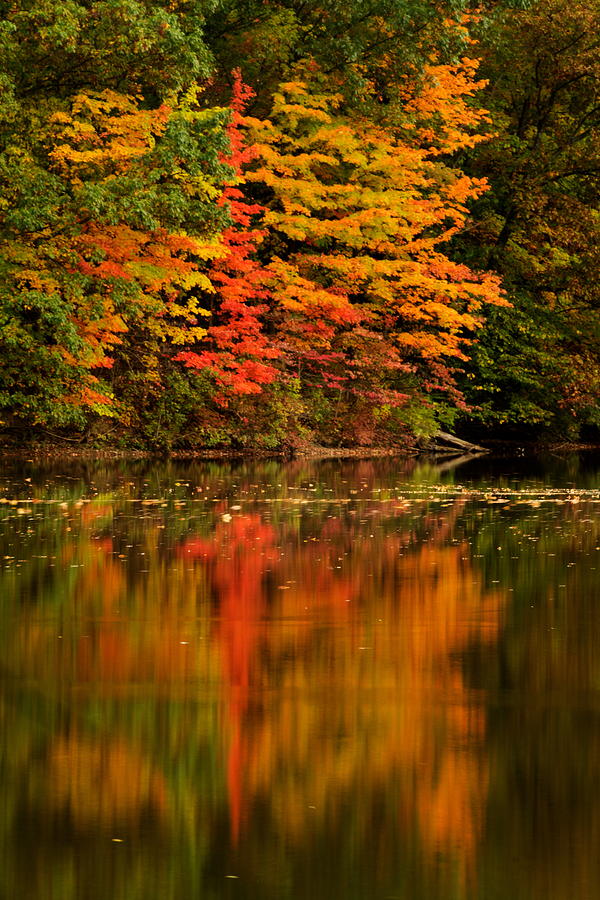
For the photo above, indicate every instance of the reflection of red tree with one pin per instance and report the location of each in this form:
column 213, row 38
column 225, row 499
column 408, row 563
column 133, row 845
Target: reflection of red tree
column 238, row 557
column 239, row 584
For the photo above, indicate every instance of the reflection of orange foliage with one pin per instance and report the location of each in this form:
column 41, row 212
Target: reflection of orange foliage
column 444, row 605
column 450, row 805
column 103, row 782
column 375, row 657
column 102, row 643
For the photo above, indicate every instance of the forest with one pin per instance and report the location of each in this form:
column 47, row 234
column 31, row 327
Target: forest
column 272, row 224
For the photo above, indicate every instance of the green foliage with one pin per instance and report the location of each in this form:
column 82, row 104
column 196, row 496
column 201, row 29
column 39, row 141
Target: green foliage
column 365, row 48
column 53, row 49
column 538, row 365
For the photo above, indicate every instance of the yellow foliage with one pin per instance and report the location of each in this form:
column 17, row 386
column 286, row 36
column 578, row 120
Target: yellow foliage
column 371, row 207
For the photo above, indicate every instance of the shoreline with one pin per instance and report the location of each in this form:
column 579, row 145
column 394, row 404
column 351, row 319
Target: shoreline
column 49, row 452
column 64, row 452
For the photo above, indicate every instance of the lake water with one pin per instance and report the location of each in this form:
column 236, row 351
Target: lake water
column 344, row 679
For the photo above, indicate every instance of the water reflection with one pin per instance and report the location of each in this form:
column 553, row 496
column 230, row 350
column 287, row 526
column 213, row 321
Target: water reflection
column 349, row 678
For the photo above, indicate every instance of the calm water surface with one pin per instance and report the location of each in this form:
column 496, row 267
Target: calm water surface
column 372, row 679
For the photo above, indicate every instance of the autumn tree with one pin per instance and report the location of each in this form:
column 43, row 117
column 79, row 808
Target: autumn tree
column 365, row 301
column 112, row 258
column 109, row 177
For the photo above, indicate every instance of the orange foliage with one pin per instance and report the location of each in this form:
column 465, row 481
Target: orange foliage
column 362, row 211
